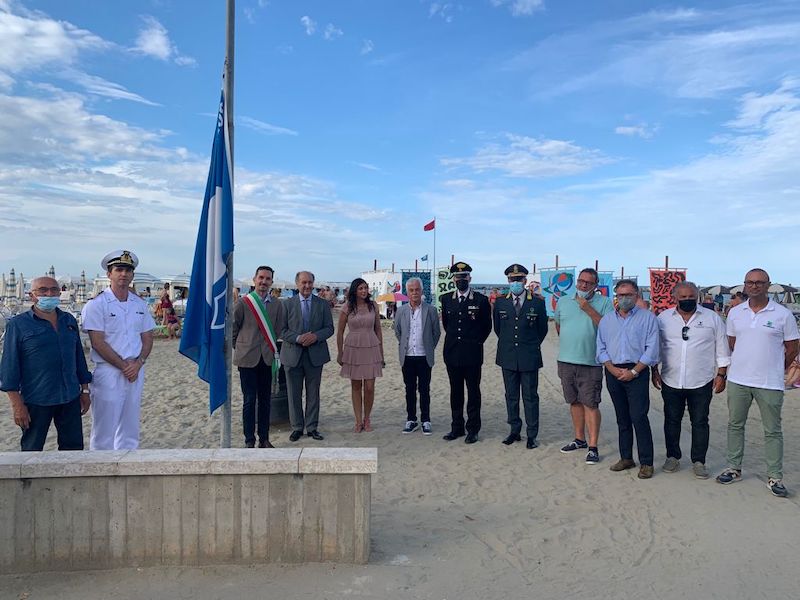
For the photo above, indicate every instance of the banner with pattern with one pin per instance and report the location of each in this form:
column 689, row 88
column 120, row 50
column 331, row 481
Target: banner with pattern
column 557, row 284
column 425, row 276
column 661, row 285
column 606, row 285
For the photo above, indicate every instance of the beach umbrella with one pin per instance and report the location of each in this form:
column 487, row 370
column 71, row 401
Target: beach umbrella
column 716, row 289
column 779, row 288
column 12, row 284
column 82, row 288
column 52, row 272
column 392, row 297
column 736, row 289
column 21, row 287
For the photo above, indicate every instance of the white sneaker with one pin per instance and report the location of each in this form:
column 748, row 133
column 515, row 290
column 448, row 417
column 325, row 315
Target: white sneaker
column 426, row 428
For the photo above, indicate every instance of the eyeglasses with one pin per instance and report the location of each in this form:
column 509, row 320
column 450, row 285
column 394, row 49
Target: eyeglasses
column 755, row 283
column 685, row 333
column 44, row 290
column 584, row 282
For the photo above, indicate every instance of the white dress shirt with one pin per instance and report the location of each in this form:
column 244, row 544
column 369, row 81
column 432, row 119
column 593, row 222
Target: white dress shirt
column 415, row 347
column 692, row 363
column 759, row 353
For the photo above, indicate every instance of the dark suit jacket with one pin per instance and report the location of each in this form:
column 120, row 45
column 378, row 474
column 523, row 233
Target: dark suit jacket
column 248, row 343
column 320, row 323
column 466, row 328
column 519, row 337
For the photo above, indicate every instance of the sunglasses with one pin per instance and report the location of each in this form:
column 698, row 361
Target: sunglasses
column 685, row 333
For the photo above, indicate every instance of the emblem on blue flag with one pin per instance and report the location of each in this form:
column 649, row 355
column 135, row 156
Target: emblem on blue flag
column 203, row 338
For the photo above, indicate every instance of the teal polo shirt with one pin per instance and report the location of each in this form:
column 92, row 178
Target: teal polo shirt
column 578, row 337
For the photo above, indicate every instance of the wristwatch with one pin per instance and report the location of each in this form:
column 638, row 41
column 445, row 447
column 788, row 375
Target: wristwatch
column 84, row 390
column 723, row 375
column 634, row 372
column 142, row 360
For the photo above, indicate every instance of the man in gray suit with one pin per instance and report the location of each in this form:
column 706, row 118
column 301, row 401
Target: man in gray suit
column 416, row 326
column 309, row 324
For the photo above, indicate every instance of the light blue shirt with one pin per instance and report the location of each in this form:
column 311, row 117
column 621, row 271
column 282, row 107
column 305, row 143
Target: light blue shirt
column 632, row 339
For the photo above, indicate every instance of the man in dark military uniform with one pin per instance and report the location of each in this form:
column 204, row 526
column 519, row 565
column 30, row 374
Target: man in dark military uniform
column 467, row 322
column 520, row 322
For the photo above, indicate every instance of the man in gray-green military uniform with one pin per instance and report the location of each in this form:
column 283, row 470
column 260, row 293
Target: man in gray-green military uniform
column 520, row 322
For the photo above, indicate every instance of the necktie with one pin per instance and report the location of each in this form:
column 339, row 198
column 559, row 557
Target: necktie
column 460, row 300
column 306, row 313
column 516, row 304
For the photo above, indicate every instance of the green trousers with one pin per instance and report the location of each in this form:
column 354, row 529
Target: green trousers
column 770, row 403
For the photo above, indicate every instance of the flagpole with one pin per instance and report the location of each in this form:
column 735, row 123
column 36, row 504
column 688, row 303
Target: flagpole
column 225, row 433
column 434, row 273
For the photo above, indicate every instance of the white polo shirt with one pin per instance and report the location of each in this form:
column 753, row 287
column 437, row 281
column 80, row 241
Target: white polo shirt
column 692, row 363
column 122, row 323
column 758, row 356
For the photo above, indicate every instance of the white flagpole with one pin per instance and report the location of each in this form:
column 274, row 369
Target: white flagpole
column 225, row 433
column 435, row 272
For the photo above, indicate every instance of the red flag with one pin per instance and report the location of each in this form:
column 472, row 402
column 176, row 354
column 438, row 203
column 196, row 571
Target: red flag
column 430, row 225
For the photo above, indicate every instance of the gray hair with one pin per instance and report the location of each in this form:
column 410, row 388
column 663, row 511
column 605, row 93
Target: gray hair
column 685, row 284
column 416, row 280
column 297, row 276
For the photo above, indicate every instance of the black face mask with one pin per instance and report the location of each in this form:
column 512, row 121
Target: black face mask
column 462, row 285
column 688, row 305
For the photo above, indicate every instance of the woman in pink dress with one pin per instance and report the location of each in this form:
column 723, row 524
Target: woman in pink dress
column 361, row 352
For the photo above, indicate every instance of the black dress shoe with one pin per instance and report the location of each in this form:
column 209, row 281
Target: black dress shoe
column 512, row 437
column 316, row 435
column 295, row 436
column 264, row 444
column 452, row 435
column 471, row 438
column 531, row 444
column 249, row 444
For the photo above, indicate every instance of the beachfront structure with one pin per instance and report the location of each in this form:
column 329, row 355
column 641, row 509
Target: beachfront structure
column 382, row 281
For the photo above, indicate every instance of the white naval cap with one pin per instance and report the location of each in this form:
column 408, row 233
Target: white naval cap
column 119, row 257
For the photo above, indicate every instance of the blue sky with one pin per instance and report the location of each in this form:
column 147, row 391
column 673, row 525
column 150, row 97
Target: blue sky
column 620, row 131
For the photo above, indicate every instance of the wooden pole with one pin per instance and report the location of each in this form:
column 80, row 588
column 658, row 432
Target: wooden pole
column 596, row 265
column 416, row 264
column 666, row 263
column 556, row 261
column 452, row 259
column 623, row 273
column 375, row 264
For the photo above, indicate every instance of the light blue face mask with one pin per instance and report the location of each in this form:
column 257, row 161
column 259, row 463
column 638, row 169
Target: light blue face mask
column 47, row 303
column 516, row 287
column 583, row 294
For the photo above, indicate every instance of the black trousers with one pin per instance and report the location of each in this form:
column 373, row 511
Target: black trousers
column 459, row 376
column 417, row 375
column 529, row 382
column 675, row 401
column 257, row 393
column 67, row 419
column 631, row 404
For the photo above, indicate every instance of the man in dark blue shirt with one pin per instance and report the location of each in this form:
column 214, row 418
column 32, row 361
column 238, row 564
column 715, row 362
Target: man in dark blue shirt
column 43, row 370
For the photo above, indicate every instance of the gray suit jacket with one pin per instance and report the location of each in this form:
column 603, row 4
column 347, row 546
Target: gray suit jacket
column 320, row 323
column 431, row 332
column 248, row 342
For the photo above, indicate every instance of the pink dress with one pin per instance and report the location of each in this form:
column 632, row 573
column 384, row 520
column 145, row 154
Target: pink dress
column 361, row 352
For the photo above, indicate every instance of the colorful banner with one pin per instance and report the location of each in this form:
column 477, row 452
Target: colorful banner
column 425, row 276
column 557, row 284
column 661, row 285
column 444, row 283
column 606, row 285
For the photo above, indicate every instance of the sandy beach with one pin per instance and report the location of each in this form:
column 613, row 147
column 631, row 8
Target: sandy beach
column 452, row 521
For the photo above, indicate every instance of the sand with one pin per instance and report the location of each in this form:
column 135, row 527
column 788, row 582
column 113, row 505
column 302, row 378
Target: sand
column 486, row 521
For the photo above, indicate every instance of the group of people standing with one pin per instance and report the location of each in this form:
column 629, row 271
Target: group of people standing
column 688, row 352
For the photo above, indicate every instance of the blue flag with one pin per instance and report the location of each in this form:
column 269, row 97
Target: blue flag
column 203, row 337
column 425, row 258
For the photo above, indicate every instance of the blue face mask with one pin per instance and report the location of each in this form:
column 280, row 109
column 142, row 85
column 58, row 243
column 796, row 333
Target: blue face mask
column 47, row 303
column 582, row 294
column 516, row 287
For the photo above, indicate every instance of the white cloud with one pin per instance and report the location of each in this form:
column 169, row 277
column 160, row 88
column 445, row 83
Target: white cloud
column 153, row 40
column 368, row 166
column 332, row 32
column 755, row 108
column 263, row 127
column 520, row 8
column 443, row 10
column 642, row 130
column 309, row 24
column 367, row 47
column 527, row 157
column 102, row 87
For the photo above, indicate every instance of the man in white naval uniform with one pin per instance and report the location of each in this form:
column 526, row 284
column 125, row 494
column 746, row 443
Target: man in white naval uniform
column 120, row 329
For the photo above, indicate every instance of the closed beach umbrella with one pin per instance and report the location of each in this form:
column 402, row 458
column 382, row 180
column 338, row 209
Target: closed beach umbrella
column 12, row 284
column 82, row 288
column 52, row 272
column 21, row 287
column 3, row 286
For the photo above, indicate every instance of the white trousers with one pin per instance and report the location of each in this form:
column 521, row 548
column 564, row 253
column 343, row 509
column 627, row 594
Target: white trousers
column 115, row 409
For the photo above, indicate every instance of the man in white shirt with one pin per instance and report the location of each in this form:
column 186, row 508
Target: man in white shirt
column 763, row 339
column 120, row 329
column 694, row 361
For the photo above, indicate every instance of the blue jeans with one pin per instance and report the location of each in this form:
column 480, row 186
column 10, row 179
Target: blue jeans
column 67, row 418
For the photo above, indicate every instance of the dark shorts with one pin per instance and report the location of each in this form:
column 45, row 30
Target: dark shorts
column 582, row 384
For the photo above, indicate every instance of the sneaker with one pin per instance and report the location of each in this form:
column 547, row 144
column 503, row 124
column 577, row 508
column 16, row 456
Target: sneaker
column 729, row 476
column 426, row 428
column 592, row 457
column 777, row 488
column 671, row 465
column 411, row 427
column 575, row 444
column 700, row 470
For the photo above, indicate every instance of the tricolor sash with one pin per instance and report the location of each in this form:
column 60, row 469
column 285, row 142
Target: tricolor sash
column 259, row 310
